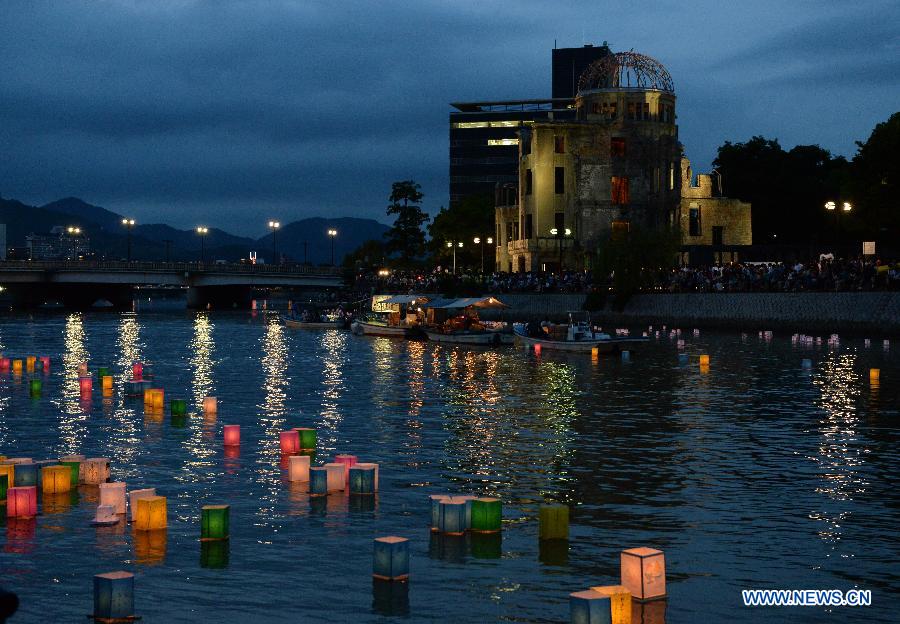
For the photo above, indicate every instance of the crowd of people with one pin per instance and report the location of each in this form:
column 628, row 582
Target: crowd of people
column 824, row 274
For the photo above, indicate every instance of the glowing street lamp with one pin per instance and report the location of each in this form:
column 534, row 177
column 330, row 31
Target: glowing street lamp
column 832, row 206
column 560, row 233
column 331, row 235
column 274, row 225
column 202, row 231
column 128, row 224
column 453, row 245
column 479, row 241
column 73, row 230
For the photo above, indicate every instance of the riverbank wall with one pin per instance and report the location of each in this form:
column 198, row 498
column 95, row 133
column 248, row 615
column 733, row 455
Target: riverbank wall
column 873, row 313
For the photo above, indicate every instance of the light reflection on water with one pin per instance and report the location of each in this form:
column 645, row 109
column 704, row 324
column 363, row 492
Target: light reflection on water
column 748, row 474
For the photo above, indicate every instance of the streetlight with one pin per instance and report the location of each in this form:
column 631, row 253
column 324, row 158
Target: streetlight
column 332, row 234
column 202, row 231
column 453, row 245
column 477, row 240
column 832, row 206
column 74, row 231
column 274, row 225
column 560, row 234
column 128, row 224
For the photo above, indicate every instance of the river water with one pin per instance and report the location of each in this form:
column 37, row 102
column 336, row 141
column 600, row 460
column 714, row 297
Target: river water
column 753, row 474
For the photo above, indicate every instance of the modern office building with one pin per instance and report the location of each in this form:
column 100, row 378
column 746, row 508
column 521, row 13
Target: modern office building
column 68, row 243
column 484, row 135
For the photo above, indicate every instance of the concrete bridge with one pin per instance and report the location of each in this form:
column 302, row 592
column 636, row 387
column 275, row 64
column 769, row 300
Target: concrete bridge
column 78, row 284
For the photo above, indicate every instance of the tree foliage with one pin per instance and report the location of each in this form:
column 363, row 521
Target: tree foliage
column 406, row 238
column 875, row 180
column 372, row 254
column 470, row 218
column 634, row 259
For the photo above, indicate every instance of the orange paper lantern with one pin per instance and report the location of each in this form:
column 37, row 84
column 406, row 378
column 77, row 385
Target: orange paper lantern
column 56, row 479
column 17, row 367
column 210, row 405
column 150, row 514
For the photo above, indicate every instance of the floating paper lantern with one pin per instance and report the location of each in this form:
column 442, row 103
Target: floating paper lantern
column 231, row 435
column 178, row 407
column 887, row 344
column 390, row 561
column 29, row 363
column 134, row 388
column 537, row 349
column 704, row 360
column 9, row 471
column 619, row 602
column 318, row 481
column 374, row 467
column 644, row 573
column 113, row 494
column 105, row 516
column 4, row 364
column 554, row 522
column 347, row 461
column 626, row 356
column 215, row 522
column 21, row 502
column 34, row 387
column 137, row 371
column 134, row 496
column 4, row 486
column 307, row 438
column 214, row 554
column 26, row 474
column 82, row 369
column 682, row 358
column 94, row 471
column 158, row 398
column 336, row 479
column 148, row 397
column 589, row 607
column 595, row 353
column 73, row 463
column 290, row 441
column 867, row 343
column 56, row 479
column 362, row 480
column 102, row 371
column 874, row 375
column 85, row 386
column 452, row 516
column 17, row 367
column 44, row 361
column 436, row 500
column 680, row 344
column 210, row 405
column 298, row 468
column 114, row 596
column 486, row 514
column 151, row 513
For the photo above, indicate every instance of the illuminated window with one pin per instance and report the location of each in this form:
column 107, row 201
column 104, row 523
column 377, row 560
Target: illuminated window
column 560, row 180
column 619, row 186
column 501, row 142
column 487, row 124
column 505, row 124
column 528, row 184
column 671, row 177
column 559, row 144
column 617, row 147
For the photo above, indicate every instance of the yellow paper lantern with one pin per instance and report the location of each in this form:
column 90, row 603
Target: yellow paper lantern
column 150, row 514
column 10, row 471
column 29, row 363
column 159, row 398
column 56, row 479
column 17, row 367
column 133, row 497
column 643, row 573
column 107, row 383
column 704, row 360
column 619, row 602
column 874, row 375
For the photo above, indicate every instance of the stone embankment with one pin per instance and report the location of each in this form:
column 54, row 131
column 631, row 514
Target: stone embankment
column 875, row 313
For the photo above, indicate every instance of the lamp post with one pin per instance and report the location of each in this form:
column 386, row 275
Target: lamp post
column 560, row 233
column 845, row 207
column 129, row 224
column 274, row 225
column 202, row 231
column 479, row 241
column 331, row 235
column 453, row 245
column 73, row 232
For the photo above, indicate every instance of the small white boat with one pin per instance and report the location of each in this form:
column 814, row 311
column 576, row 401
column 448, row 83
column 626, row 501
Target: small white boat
column 579, row 337
column 295, row 324
column 369, row 328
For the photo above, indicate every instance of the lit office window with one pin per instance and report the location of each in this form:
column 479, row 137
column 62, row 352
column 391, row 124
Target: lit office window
column 502, row 142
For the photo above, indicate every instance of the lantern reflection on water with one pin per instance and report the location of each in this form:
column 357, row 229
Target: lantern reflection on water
column 150, row 546
column 34, row 387
column 214, row 554
column 21, row 502
column 644, row 573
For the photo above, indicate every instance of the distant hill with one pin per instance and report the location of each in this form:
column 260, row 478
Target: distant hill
column 148, row 241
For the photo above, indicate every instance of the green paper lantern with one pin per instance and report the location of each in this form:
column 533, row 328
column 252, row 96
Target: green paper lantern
column 307, row 438
column 75, row 467
column 102, row 372
column 178, row 407
column 554, row 522
column 35, row 386
column 215, row 522
column 4, row 485
column 486, row 515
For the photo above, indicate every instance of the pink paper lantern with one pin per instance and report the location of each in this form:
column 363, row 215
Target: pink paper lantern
column 347, row 461
column 290, row 441
column 21, row 502
column 82, row 369
column 4, row 364
column 137, row 371
column 232, row 435
column 45, row 363
column 86, row 385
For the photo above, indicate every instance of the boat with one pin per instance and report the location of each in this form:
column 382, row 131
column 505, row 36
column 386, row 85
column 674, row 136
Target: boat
column 456, row 321
column 392, row 315
column 295, row 324
column 577, row 336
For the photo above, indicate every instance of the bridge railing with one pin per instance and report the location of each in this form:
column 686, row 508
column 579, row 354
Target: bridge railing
column 167, row 267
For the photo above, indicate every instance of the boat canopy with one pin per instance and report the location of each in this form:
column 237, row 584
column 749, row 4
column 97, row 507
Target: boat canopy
column 403, row 299
column 467, row 302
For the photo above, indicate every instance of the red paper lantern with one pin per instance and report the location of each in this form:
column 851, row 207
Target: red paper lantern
column 290, row 441
column 137, row 371
column 232, row 435
column 21, row 502
column 86, row 385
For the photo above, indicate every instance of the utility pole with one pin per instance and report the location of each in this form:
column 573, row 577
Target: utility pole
column 168, row 243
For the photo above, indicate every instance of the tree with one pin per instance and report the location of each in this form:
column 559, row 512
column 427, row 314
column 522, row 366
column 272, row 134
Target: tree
column 370, row 255
column 406, row 237
column 634, row 259
column 470, row 218
column 875, row 180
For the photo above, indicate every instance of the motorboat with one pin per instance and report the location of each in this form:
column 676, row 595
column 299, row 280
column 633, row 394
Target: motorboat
column 393, row 316
column 577, row 336
column 456, row 321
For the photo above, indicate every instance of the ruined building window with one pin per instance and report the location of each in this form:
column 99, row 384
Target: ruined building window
column 528, row 225
column 526, row 145
column 646, row 111
column 560, row 180
column 595, row 108
column 559, row 222
column 694, row 225
column 671, row 177
column 559, row 144
column 631, row 110
column 619, row 190
column 718, row 234
column 528, row 185
column 617, row 147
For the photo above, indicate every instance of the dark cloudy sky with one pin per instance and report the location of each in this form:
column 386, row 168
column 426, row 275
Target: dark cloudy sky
column 229, row 112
